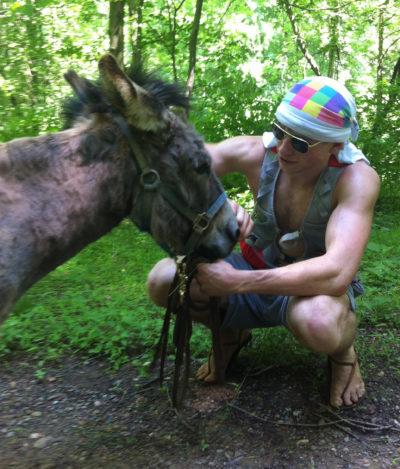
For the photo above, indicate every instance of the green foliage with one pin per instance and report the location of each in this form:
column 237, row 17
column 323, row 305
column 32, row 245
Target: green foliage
column 380, row 272
column 96, row 303
column 247, row 57
column 38, row 47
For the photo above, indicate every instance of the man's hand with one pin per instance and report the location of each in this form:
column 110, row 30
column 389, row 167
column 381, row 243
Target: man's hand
column 244, row 221
column 217, row 279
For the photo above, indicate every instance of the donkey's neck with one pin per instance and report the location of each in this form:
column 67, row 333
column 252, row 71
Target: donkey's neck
column 56, row 202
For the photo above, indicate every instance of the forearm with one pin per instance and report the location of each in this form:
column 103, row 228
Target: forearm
column 306, row 278
column 317, row 276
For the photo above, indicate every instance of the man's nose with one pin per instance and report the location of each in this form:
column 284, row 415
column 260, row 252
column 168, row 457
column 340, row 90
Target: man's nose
column 286, row 145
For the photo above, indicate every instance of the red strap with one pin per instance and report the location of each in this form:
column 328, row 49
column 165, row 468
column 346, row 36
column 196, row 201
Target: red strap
column 254, row 256
column 334, row 162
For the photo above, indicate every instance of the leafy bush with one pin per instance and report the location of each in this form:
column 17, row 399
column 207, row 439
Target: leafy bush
column 97, row 302
column 380, row 272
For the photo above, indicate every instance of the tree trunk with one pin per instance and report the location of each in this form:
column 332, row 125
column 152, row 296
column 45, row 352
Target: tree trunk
column 384, row 107
column 333, row 54
column 193, row 48
column 136, row 17
column 394, row 90
column 380, row 58
column 34, row 79
column 116, row 29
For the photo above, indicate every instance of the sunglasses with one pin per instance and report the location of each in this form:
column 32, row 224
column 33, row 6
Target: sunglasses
column 298, row 144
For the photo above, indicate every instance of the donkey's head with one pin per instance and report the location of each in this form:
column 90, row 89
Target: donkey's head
column 177, row 197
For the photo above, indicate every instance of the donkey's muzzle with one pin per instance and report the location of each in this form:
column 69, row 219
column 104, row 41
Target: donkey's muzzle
column 233, row 231
column 222, row 245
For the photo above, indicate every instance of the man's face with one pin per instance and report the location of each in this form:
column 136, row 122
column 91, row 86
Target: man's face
column 315, row 158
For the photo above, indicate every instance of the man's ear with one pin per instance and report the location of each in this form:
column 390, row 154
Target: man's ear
column 336, row 147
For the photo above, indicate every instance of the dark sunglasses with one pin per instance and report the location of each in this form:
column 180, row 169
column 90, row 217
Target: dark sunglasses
column 298, row 144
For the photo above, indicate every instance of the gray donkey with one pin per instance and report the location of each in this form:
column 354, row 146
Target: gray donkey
column 126, row 154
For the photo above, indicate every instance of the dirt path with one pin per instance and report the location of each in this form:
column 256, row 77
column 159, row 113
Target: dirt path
column 76, row 414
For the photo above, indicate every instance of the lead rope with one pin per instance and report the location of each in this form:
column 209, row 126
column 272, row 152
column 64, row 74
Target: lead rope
column 179, row 304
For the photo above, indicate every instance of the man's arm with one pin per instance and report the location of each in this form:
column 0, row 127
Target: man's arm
column 239, row 154
column 244, row 155
column 347, row 235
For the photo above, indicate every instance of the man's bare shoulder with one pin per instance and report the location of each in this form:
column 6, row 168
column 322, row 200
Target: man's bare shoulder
column 237, row 154
column 359, row 180
column 361, row 171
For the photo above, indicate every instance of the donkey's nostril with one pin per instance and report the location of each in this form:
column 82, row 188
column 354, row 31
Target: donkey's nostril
column 233, row 231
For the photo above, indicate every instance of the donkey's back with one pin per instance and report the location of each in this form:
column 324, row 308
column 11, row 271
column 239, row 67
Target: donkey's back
column 39, row 207
column 53, row 203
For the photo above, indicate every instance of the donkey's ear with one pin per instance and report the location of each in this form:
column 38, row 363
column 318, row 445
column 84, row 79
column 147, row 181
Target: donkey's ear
column 140, row 108
column 82, row 87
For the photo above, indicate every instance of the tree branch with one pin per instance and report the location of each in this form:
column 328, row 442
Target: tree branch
column 301, row 44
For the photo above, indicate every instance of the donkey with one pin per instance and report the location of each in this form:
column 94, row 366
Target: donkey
column 125, row 154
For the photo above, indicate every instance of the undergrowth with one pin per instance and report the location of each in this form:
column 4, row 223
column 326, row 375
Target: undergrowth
column 97, row 304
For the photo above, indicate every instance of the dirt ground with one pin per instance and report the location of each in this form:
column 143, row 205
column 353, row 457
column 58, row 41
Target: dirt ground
column 78, row 414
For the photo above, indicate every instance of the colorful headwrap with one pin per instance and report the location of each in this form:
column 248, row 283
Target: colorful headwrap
column 319, row 108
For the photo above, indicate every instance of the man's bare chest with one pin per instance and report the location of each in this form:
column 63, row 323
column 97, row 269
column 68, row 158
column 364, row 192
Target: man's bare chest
column 291, row 207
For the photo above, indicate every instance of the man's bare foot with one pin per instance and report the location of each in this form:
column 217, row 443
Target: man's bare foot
column 232, row 341
column 347, row 385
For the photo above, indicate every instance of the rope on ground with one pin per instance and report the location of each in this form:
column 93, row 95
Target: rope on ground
column 338, row 422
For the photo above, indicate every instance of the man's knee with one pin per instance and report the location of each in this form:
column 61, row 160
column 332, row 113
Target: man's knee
column 159, row 281
column 320, row 318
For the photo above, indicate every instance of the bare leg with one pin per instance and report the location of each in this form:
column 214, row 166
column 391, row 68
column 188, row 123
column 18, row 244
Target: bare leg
column 159, row 281
column 158, row 284
column 327, row 325
column 322, row 324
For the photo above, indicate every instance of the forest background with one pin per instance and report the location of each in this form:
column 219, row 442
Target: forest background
column 235, row 59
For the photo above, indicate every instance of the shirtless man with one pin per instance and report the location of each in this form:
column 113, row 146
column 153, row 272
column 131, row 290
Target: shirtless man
column 315, row 194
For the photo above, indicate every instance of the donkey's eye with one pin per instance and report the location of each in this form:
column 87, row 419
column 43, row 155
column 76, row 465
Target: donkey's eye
column 204, row 168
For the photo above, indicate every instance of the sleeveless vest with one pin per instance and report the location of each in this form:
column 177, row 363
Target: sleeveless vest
column 261, row 248
column 265, row 235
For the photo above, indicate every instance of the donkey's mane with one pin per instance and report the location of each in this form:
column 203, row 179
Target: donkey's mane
column 165, row 94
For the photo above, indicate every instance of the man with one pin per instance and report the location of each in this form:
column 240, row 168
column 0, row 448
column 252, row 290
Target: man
column 315, row 194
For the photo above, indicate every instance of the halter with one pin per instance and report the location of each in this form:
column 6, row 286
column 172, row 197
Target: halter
column 150, row 180
column 178, row 298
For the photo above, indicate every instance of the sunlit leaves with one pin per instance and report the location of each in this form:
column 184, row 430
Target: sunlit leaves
column 44, row 39
column 247, row 57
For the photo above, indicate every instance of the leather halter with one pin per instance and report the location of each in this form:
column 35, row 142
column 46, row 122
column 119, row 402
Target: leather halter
column 150, row 180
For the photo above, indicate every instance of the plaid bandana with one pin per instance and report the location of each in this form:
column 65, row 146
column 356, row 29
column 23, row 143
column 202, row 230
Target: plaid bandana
column 319, row 108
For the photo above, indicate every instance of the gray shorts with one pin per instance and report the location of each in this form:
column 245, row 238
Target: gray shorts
column 251, row 310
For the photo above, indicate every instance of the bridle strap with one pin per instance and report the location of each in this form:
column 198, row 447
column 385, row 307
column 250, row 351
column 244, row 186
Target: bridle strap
column 140, row 159
column 179, row 304
column 202, row 222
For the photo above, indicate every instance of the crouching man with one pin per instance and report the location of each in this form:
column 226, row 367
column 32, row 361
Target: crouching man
column 315, row 194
